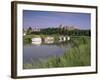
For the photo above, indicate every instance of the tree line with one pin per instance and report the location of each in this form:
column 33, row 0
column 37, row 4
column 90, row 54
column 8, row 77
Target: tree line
column 60, row 31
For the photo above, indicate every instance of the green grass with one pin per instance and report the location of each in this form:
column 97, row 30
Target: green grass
column 78, row 55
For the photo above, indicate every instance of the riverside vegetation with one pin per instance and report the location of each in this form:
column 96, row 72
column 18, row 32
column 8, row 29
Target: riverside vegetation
column 78, row 55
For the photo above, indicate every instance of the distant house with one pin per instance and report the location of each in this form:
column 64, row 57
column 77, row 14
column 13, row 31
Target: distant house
column 70, row 28
column 49, row 39
column 68, row 38
column 62, row 38
column 36, row 40
column 36, row 29
column 67, row 27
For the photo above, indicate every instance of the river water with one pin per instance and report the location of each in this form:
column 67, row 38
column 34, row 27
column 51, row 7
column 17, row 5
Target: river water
column 33, row 52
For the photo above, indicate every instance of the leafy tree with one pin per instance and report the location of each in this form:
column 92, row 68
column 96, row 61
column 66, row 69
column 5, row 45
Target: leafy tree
column 29, row 30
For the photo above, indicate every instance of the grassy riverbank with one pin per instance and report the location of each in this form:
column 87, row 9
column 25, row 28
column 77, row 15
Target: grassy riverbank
column 78, row 55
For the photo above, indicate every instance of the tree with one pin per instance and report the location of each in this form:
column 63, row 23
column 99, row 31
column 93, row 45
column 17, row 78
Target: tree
column 29, row 30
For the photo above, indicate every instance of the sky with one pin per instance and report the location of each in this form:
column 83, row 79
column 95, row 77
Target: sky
column 45, row 19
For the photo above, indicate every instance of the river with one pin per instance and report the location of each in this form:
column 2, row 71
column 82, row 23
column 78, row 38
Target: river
column 34, row 53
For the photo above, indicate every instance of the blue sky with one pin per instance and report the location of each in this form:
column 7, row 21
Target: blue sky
column 44, row 19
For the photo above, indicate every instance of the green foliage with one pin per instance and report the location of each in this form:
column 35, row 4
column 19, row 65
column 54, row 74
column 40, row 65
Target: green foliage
column 27, row 40
column 29, row 30
column 78, row 55
column 59, row 31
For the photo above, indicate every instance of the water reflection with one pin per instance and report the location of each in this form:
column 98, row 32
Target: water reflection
column 36, row 43
column 44, row 48
column 37, row 50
